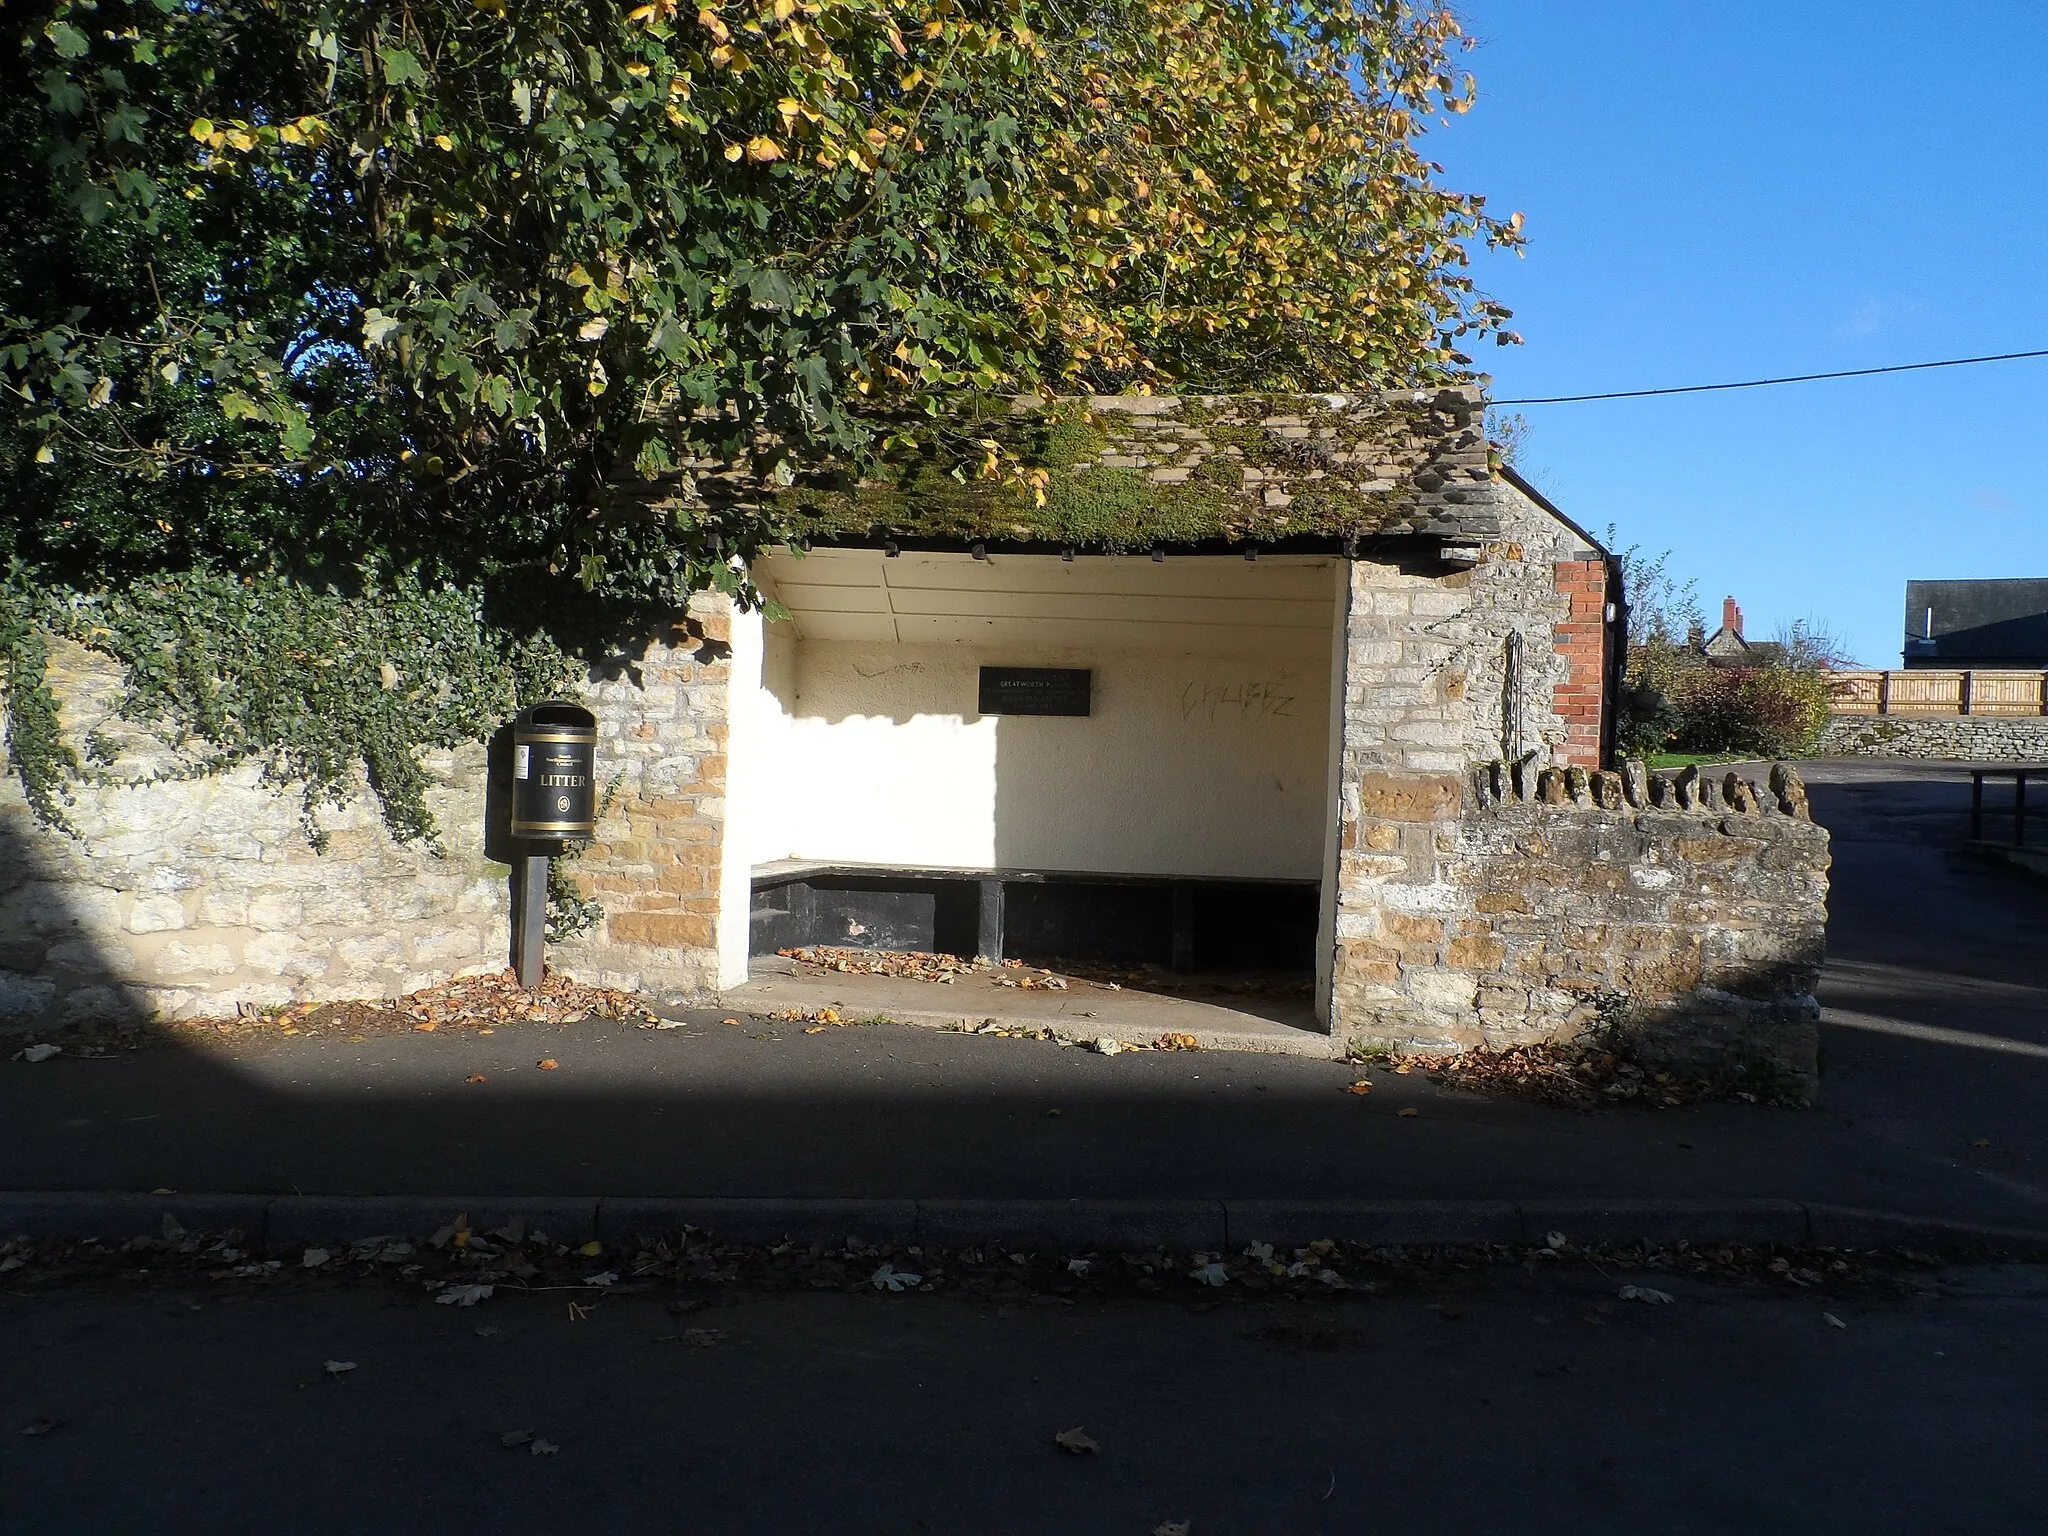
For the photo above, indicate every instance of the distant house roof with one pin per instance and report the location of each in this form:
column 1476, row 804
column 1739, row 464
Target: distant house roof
column 1993, row 623
column 1725, row 647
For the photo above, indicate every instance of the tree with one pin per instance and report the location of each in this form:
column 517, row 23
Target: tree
column 1810, row 645
column 379, row 311
column 434, row 279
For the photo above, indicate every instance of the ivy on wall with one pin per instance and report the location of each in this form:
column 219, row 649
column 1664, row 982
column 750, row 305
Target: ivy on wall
column 315, row 685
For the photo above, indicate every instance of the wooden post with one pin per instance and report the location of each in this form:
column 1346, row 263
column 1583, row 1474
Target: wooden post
column 1884, row 693
column 1963, row 690
column 530, row 930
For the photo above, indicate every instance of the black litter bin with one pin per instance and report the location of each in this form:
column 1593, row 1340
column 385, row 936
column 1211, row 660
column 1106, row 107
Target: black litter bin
column 554, row 772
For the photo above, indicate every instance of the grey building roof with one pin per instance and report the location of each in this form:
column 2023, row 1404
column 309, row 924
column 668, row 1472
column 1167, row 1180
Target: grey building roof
column 1992, row 623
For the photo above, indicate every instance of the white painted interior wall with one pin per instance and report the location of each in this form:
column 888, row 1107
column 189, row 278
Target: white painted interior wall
column 856, row 736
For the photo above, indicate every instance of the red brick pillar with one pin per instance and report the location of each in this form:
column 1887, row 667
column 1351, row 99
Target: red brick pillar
column 1582, row 641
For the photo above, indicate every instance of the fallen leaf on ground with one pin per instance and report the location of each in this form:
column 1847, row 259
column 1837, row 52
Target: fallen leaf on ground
column 1981, row 1141
column 476, row 1077
column 37, row 1427
column 545, row 1447
column 547, row 1063
column 1054, row 1114
column 1176, row 1041
column 1407, row 1114
column 315, row 1257
column 728, row 1021
column 1108, row 1045
column 1361, row 1088
column 516, row 1437
column 1075, row 1441
column 703, row 1338
column 889, row 1278
column 1211, row 1274
column 591, row 1250
column 38, row 1052
column 1171, row 1528
column 489, row 1330
column 1645, row 1293
column 464, row 1295
column 1834, row 1321
column 336, row 1367
column 427, row 1028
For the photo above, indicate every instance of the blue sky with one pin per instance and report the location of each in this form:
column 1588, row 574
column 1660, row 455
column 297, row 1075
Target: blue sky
column 1761, row 187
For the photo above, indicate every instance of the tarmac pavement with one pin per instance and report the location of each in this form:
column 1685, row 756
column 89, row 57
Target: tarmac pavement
column 1936, row 1062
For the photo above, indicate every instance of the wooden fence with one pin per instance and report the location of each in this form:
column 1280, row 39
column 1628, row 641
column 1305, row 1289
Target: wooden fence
column 1940, row 693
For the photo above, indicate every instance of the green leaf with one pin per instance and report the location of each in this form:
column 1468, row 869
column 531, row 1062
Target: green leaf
column 400, row 66
column 69, row 42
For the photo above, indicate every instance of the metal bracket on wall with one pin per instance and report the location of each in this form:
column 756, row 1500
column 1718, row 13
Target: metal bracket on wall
column 1511, row 698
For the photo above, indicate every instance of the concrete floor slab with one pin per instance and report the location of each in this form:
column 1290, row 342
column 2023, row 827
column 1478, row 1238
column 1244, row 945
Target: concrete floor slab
column 1085, row 1010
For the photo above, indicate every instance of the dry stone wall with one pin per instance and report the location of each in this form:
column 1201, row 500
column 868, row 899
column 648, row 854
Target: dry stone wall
column 1964, row 738
column 1519, row 903
column 183, row 896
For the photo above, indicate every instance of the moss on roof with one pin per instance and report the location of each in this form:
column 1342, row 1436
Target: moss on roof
column 1129, row 472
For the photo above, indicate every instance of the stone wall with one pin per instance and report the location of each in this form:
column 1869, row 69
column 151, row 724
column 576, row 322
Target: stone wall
column 1967, row 738
column 1442, row 669
column 190, row 896
column 1515, row 904
column 1464, row 918
column 655, row 866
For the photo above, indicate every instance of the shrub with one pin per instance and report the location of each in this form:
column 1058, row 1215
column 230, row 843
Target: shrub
column 1645, row 721
column 1760, row 711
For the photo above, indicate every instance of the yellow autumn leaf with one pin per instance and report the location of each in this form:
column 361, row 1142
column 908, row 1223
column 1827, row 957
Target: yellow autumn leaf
column 442, row 141
column 761, row 147
column 735, row 151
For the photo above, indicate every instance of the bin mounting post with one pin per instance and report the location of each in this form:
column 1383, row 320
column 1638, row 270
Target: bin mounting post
column 531, row 926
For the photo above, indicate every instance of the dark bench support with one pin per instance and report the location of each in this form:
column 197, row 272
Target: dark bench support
column 1193, row 924
column 989, row 943
column 1184, row 930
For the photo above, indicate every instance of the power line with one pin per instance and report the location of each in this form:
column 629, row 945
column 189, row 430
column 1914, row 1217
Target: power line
column 1797, row 378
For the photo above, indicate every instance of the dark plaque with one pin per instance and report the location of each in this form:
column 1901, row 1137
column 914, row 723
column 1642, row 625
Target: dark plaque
column 554, row 773
column 1035, row 690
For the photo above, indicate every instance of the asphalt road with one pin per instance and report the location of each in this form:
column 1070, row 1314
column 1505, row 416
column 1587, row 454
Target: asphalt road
column 1523, row 1400
column 1516, row 1401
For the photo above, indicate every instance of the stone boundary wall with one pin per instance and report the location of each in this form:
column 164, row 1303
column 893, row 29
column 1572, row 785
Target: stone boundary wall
column 1515, row 904
column 193, row 896
column 1970, row 738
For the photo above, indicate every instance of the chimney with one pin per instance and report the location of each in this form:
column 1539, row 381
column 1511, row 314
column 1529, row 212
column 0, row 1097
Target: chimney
column 1731, row 617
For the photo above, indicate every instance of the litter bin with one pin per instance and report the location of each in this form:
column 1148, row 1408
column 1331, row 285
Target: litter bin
column 554, row 772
